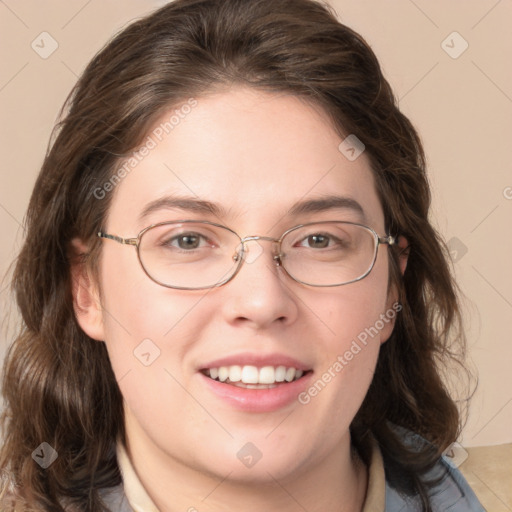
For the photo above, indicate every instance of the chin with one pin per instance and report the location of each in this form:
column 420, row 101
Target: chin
column 248, row 464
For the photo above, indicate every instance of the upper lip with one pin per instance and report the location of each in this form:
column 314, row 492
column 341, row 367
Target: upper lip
column 258, row 360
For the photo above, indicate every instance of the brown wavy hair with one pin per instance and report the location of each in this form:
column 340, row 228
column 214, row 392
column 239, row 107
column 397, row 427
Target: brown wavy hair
column 58, row 384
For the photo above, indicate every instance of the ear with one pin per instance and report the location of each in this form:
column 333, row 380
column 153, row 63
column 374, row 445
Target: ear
column 86, row 297
column 392, row 306
column 403, row 253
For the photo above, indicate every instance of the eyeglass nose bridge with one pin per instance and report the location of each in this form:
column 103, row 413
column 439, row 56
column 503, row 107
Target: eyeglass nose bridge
column 276, row 257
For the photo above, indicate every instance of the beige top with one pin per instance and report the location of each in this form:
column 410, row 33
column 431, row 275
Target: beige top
column 141, row 502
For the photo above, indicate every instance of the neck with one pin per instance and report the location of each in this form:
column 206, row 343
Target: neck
column 335, row 483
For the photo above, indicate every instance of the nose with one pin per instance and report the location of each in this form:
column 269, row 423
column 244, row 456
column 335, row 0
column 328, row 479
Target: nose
column 260, row 294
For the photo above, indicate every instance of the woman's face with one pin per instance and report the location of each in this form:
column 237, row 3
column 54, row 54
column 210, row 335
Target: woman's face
column 255, row 156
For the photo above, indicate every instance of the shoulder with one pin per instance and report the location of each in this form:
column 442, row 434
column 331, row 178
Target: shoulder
column 450, row 492
column 453, row 493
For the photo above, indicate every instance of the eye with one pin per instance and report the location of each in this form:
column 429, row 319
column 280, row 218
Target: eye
column 318, row 241
column 185, row 241
column 322, row 241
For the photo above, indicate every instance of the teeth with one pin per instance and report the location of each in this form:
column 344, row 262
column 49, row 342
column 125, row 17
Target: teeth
column 290, row 374
column 252, row 376
column 223, row 373
column 235, row 373
column 267, row 375
column 280, row 373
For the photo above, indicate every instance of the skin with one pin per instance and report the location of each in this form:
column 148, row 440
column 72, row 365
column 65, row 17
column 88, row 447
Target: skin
column 255, row 154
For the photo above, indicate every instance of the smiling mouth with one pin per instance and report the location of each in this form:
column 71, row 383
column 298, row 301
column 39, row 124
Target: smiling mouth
column 253, row 377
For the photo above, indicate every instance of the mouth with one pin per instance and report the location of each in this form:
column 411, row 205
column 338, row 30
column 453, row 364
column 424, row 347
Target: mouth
column 254, row 377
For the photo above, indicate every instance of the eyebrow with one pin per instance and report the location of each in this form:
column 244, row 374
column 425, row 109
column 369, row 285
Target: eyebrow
column 326, row 203
column 196, row 205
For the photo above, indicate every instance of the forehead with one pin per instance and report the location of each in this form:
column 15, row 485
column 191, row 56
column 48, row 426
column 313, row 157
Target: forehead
column 253, row 154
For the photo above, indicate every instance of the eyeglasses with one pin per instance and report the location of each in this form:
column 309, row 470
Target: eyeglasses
column 195, row 255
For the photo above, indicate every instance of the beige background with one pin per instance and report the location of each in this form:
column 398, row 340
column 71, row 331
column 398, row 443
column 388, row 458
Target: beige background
column 462, row 107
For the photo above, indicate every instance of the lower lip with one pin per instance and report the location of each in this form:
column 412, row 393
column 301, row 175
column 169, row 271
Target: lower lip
column 258, row 400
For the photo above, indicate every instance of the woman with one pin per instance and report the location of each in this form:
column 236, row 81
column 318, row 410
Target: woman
column 231, row 293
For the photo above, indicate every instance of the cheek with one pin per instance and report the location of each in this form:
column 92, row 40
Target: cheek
column 355, row 312
column 354, row 321
column 348, row 353
column 149, row 330
column 143, row 319
column 347, row 359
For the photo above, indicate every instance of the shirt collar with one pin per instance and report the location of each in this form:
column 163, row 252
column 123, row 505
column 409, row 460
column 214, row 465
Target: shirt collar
column 134, row 490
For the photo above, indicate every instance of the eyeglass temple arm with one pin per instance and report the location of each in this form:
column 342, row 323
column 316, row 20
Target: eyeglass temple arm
column 126, row 241
column 390, row 240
